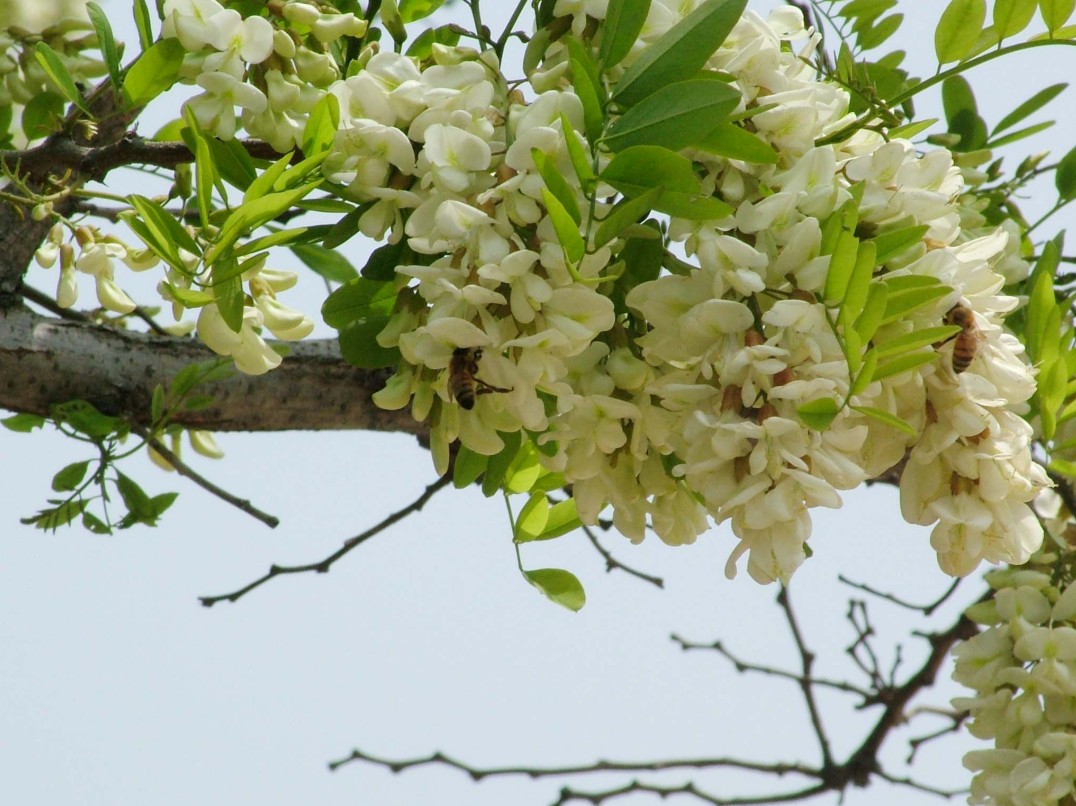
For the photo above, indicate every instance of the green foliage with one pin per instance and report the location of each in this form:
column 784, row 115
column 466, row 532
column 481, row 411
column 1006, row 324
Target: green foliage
column 155, row 71
column 360, row 309
column 958, row 30
column 674, row 116
column 56, row 70
column 680, row 52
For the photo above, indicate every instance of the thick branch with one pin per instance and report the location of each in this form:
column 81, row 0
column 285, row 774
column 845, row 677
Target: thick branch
column 46, row 361
column 59, row 154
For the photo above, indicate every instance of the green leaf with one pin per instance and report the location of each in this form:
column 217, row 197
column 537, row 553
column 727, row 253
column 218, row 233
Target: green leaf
column 353, row 301
column 818, row 414
column 865, row 374
column 680, row 52
column 70, row 477
column 468, row 467
column 263, row 182
column 500, row 462
column 205, row 170
column 891, row 244
column 283, row 237
column 86, row 419
column 558, row 586
column 23, row 423
column 578, row 155
column 640, row 169
column 958, row 29
column 841, row 265
column 563, row 518
column 138, row 504
column 883, row 416
column 1031, row 105
column 557, row 184
column 1051, row 394
column 161, row 232
column 1019, row 134
column 877, row 34
column 253, row 214
column 359, row 345
column 899, row 304
column 962, row 113
column 1065, row 178
column 870, row 318
column 736, row 143
column 567, row 230
column 903, row 363
column 855, row 295
column 142, row 23
column 916, row 339
column 624, row 20
column 159, row 504
column 411, row 10
column 155, row 71
column 532, row 519
column 42, row 115
column 1012, row 16
column 1056, row 13
column 233, row 162
column 524, row 470
column 328, row 263
column 321, row 125
column 422, row 47
column 94, row 524
column 106, row 42
column 674, row 116
column 910, row 130
column 624, row 214
column 53, row 519
column 53, row 65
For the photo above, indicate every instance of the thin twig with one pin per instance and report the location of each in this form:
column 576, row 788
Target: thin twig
column 746, row 666
column 926, row 610
column 184, row 470
column 478, row 773
column 49, row 304
column 805, row 683
column 612, row 564
column 323, row 566
column 567, row 795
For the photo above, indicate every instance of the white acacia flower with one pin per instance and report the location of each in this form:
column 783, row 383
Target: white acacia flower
column 251, row 354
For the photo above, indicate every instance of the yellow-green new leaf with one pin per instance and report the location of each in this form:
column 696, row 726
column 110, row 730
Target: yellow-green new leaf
column 565, row 227
column 1055, row 13
column 883, row 416
column 155, row 71
column 958, row 29
column 56, row 70
column 558, row 586
column 532, row 519
column 916, row 339
column 819, row 414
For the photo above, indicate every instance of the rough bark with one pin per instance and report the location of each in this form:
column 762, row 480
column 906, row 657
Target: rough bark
column 45, row 361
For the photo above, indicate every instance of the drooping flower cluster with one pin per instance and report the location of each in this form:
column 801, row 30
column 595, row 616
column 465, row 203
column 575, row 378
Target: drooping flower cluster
column 1022, row 669
column 678, row 399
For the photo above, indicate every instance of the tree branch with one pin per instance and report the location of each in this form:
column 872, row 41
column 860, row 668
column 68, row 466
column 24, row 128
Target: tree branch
column 323, row 566
column 45, row 361
column 184, row 470
column 60, row 153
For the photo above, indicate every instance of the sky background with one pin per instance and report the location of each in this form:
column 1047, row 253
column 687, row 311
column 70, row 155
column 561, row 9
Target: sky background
column 117, row 686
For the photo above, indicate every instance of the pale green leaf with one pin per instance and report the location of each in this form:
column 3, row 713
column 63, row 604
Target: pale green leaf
column 674, row 116
column 885, row 417
column 818, row 414
column 958, row 30
column 532, row 519
column 155, row 71
column 558, row 586
column 567, row 230
column 56, row 70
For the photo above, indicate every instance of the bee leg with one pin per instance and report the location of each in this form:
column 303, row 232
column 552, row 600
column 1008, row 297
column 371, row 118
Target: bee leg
column 487, row 388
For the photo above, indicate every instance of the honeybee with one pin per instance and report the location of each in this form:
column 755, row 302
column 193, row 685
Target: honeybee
column 464, row 385
column 966, row 342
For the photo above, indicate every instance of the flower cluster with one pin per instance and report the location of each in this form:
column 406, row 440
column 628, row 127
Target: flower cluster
column 1022, row 669
column 675, row 399
column 735, row 347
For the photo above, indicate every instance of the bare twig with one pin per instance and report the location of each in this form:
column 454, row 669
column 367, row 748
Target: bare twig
column 567, row 795
column 478, row 773
column 806, row 686
column 45, row 301
column 926, row 610
column 323, row 566
column 185, row 470
column 612, row 564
